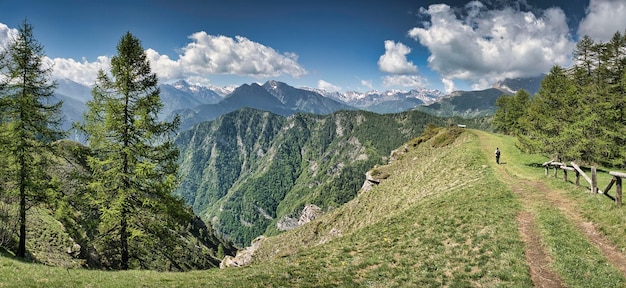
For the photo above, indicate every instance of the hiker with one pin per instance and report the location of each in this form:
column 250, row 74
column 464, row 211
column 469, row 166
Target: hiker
column 497, row 155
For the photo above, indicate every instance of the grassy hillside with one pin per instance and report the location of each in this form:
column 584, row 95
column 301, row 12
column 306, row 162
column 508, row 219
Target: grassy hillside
column 445, row 215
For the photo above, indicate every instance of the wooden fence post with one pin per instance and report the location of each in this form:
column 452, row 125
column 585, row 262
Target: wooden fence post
column 594, row 180
column 580, row 172
column 618, row 192
column 577, row 178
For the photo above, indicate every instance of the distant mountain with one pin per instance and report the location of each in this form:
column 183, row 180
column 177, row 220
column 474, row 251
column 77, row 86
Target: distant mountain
column 182, row 95
column 175, row 96
column 481, row 102
column 511, row 86
column 73, row 90
column 392, row 101
column 206, row 95
column 74, row 97
column 303, row 100
column 276, row 97
column 466, row 103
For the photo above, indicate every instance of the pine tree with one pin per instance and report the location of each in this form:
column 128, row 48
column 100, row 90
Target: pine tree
column 133, row 166
column 30, row 121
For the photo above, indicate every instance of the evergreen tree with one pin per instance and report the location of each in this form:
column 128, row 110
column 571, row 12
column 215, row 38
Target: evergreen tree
column 30, row 121
column 133, row 166
column 549, row 116
column 509, row 112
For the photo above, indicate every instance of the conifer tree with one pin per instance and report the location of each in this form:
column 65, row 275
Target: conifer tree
column 133, row 165
column 548, row 118
column 30, row 121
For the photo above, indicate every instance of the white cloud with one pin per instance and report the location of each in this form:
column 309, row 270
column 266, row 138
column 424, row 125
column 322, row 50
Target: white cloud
column 6, row 34
column 204, row 56
column 448, row 85
column 368, row 84
column 84, row 72
column 163, row 66
column 208, row 54
column 484, row 46
column 394, row 60
column 603, row 19
column 321, row 84
column 413, row 81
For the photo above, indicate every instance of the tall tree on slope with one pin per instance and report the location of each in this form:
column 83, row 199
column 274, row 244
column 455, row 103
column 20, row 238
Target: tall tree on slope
column 133, row 164
column 29, row 123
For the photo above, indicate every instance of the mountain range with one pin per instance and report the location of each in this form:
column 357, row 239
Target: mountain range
column 195, row 103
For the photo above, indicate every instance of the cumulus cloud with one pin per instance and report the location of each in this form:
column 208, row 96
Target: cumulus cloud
column 208, row 54
column 321, row 84
column 448, row 85
column 204, row 56
column 83, row 72
column 394, row 60
column 603, row 19
column 412, row 81
column 6, row 34
column 367, row 83
column 484, row 46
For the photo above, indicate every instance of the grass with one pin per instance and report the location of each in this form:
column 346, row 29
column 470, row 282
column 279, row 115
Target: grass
column 443, row 217
column 575, row 259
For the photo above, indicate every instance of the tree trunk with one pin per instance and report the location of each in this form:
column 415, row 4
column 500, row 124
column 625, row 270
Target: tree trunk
column 21, row 248
column 124, row 241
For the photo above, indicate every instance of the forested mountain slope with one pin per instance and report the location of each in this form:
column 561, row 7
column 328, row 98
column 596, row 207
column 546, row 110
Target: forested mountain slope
column 248, row 170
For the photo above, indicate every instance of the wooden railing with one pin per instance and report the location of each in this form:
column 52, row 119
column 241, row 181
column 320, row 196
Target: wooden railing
column 593, row 180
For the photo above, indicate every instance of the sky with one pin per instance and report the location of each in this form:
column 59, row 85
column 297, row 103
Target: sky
column 336, row 45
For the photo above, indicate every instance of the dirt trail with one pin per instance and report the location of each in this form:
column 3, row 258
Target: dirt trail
column 532, row 192
column 536, row 255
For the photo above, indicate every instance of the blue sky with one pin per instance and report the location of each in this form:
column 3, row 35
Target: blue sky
column 330, row 44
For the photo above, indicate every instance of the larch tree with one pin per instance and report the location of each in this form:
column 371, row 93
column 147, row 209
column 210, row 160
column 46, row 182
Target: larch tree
column 134, row 160
column 29, row 122
column 547, row 123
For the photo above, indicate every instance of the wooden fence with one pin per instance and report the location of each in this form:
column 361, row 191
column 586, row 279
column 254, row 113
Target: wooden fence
column 593, row 180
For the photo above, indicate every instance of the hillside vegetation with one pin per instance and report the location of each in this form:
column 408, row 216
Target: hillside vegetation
column 445, row 215
column 248, row 170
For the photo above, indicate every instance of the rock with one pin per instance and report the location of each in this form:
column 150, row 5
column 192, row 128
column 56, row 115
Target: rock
column 398, row 153
column 244, row 257
column 287, row 223
column 369, row 182
column 309, row 213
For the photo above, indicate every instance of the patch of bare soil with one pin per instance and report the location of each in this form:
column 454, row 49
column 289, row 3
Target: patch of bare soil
column 537, row 257
column 568, row 207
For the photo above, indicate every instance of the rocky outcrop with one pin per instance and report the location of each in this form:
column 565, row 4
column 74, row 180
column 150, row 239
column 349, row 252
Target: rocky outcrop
column 397, row 153
column 244, row 257
column 308, row 214
column 370, row 182
column 287, row 223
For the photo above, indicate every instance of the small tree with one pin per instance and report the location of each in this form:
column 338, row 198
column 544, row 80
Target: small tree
column 30, row 121
column 134, row 169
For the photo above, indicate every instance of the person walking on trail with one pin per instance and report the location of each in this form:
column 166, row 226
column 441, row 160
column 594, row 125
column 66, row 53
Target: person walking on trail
column 497, row 155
